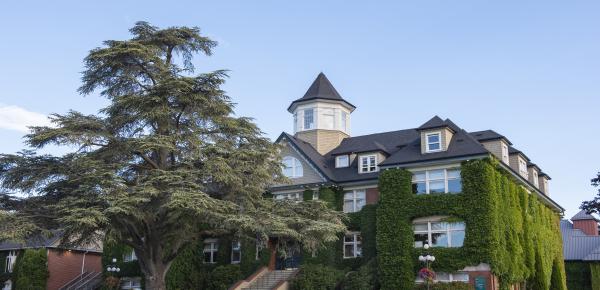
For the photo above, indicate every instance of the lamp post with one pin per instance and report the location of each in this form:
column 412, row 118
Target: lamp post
column 427, row 259
column 113, row 268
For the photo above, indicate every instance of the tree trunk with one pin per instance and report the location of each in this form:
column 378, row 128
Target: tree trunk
column 154, row 275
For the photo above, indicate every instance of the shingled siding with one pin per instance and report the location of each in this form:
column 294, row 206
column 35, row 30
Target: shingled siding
column 495, row 147
column 309, row 173
column 322, row 140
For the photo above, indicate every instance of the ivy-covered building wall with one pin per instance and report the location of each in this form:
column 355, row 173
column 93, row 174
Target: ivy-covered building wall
column 506, row 227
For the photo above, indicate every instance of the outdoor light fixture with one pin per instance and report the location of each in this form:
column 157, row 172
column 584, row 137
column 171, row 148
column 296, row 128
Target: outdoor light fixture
column 426, row 273
column 113, row 268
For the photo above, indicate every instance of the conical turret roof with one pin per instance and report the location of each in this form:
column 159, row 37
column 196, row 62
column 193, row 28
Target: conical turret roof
column 321, row 89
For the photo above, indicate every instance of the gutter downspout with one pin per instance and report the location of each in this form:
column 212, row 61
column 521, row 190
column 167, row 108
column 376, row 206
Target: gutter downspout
column 83, row 262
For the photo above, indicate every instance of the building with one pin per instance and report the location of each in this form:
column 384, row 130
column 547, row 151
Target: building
column 322, row 153
column 581, row 248
column 63, row 265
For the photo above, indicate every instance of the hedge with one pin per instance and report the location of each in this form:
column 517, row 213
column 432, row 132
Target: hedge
column 508, row 228
column 578, row 275
column 316, row 277
column 30, row 270
column 595, row 276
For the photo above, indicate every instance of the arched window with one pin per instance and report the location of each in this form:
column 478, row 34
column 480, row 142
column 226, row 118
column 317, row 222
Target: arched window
column 292, row 167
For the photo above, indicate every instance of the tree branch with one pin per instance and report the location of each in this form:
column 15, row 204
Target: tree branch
column 147, row 159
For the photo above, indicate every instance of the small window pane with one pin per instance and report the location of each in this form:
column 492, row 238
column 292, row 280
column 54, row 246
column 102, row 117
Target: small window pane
column 440, row 276
column 457, row 238
column 441, row 226
column 437, row 186
column 207, row 257
column 419, row 188
column 439, row 240
column 420, row 240
column 434, row 146
column 348, row 250
column 342, row 161
column 433, row 138
column 460, row 276
column 360, row 194
column 420, row 227
column 436, row 174
column 419, row 176
column 457, row 226
column 454, row 186
column 348, row 206
column 454, row 173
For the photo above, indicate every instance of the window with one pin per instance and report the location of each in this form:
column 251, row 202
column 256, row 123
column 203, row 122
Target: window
column 352, row 245
column 10, row 261
column 546, row 190
column 260, row 245
column 7, row 285
column 505, row 153
column 434, row 142
column 368, row 163
column 328, row 119
column 344, row 121
column 294, row 196
column 129, row 256
column 437, row 181
column 439, row 234
column 309, row 119
column 448, row 277
column 536, row 181
column 131, row 283
column 295, row 122
column 342, row 161
column 354, row 200
column 292, row 167
column 210, row 251
column 315, row 195
column 236, row 252
column 523, row 168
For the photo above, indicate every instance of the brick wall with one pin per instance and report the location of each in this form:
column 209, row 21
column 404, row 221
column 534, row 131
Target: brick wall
column 63, row 266
column 372, row 195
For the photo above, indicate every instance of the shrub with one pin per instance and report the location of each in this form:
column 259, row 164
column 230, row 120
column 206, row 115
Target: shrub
column 316, row 277
column 224, row 276
column 446, row 286
column 363, row 279
column 30, row 270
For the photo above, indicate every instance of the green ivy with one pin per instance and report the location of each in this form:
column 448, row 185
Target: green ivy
column 30, row 271
column 578, row 275
column 507, row 228
column 316, row 277
column 595, row 276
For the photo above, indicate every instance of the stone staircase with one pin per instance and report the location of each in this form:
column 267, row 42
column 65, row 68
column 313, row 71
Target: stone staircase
column 85, row 281
column 271, row 279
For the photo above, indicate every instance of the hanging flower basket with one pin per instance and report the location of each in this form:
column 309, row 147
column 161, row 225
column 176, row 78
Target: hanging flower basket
column 427, row 274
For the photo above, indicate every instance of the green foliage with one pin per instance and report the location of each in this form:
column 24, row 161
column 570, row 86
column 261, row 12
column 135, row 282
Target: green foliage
column 578, row 275
column 445, row 286
column 31, row 271
column 558, row 279
column 365, row 278
column 112, row 250
column 187, row 270
column 222, row 277
column 316, row 277
column 595, row 276
column 506, row 227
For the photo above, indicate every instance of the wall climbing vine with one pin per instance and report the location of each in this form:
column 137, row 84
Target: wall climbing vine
column 507, row 227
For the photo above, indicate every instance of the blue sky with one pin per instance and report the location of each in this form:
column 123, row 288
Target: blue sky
column 528, row 69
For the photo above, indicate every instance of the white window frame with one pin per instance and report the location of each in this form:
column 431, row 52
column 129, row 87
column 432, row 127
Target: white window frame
column 353, row 195
column 430, row 231
column 451, row 277
column 505, row 155
column 313, row 122
column 428, row 144
column 236, row 247
column 129, row 256
column 133, row 283
column 295, row 166
column 339, row 164
column 11, row 258
column 344, row 123
column 446, row 178
column 213, row 250
column 367, row 169
column 292, row 196
column 356, row 243
column 536, row 180
column 523, row 167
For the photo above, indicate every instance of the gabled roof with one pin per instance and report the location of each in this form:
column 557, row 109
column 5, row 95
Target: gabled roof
column 577, row 245
column 39, row 241
column 437, row 122
column 489, row 135
column 322, row 89
column 583, row 215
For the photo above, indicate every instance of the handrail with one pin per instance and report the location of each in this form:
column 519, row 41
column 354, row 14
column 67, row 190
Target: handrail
column 73, row 281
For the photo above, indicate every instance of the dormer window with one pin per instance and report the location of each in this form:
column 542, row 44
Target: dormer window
column 434, row 142
column 292, row 167
column 505, row 158
column 536, row 181
column 309, row 119
column 523, row 168
column 368, row 163
column 342, row 161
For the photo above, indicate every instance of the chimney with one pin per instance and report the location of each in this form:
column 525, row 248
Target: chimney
column 586, row 223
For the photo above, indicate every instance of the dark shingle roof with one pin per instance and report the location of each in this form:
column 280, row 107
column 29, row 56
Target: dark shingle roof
column 488, row 135
column 387, row 142
column 37, row 241
column 322, row 89
column 583, row 215
column 437, row 122
column 577, row 245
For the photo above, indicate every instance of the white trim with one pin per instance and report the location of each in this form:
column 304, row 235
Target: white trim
column 356, row 245
column 354, row 198
column 213, row 249
column 427, row 144
column 368, row 157
column 427, row 179
column 11, row 258
column 504, row 153
column 430, row 231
